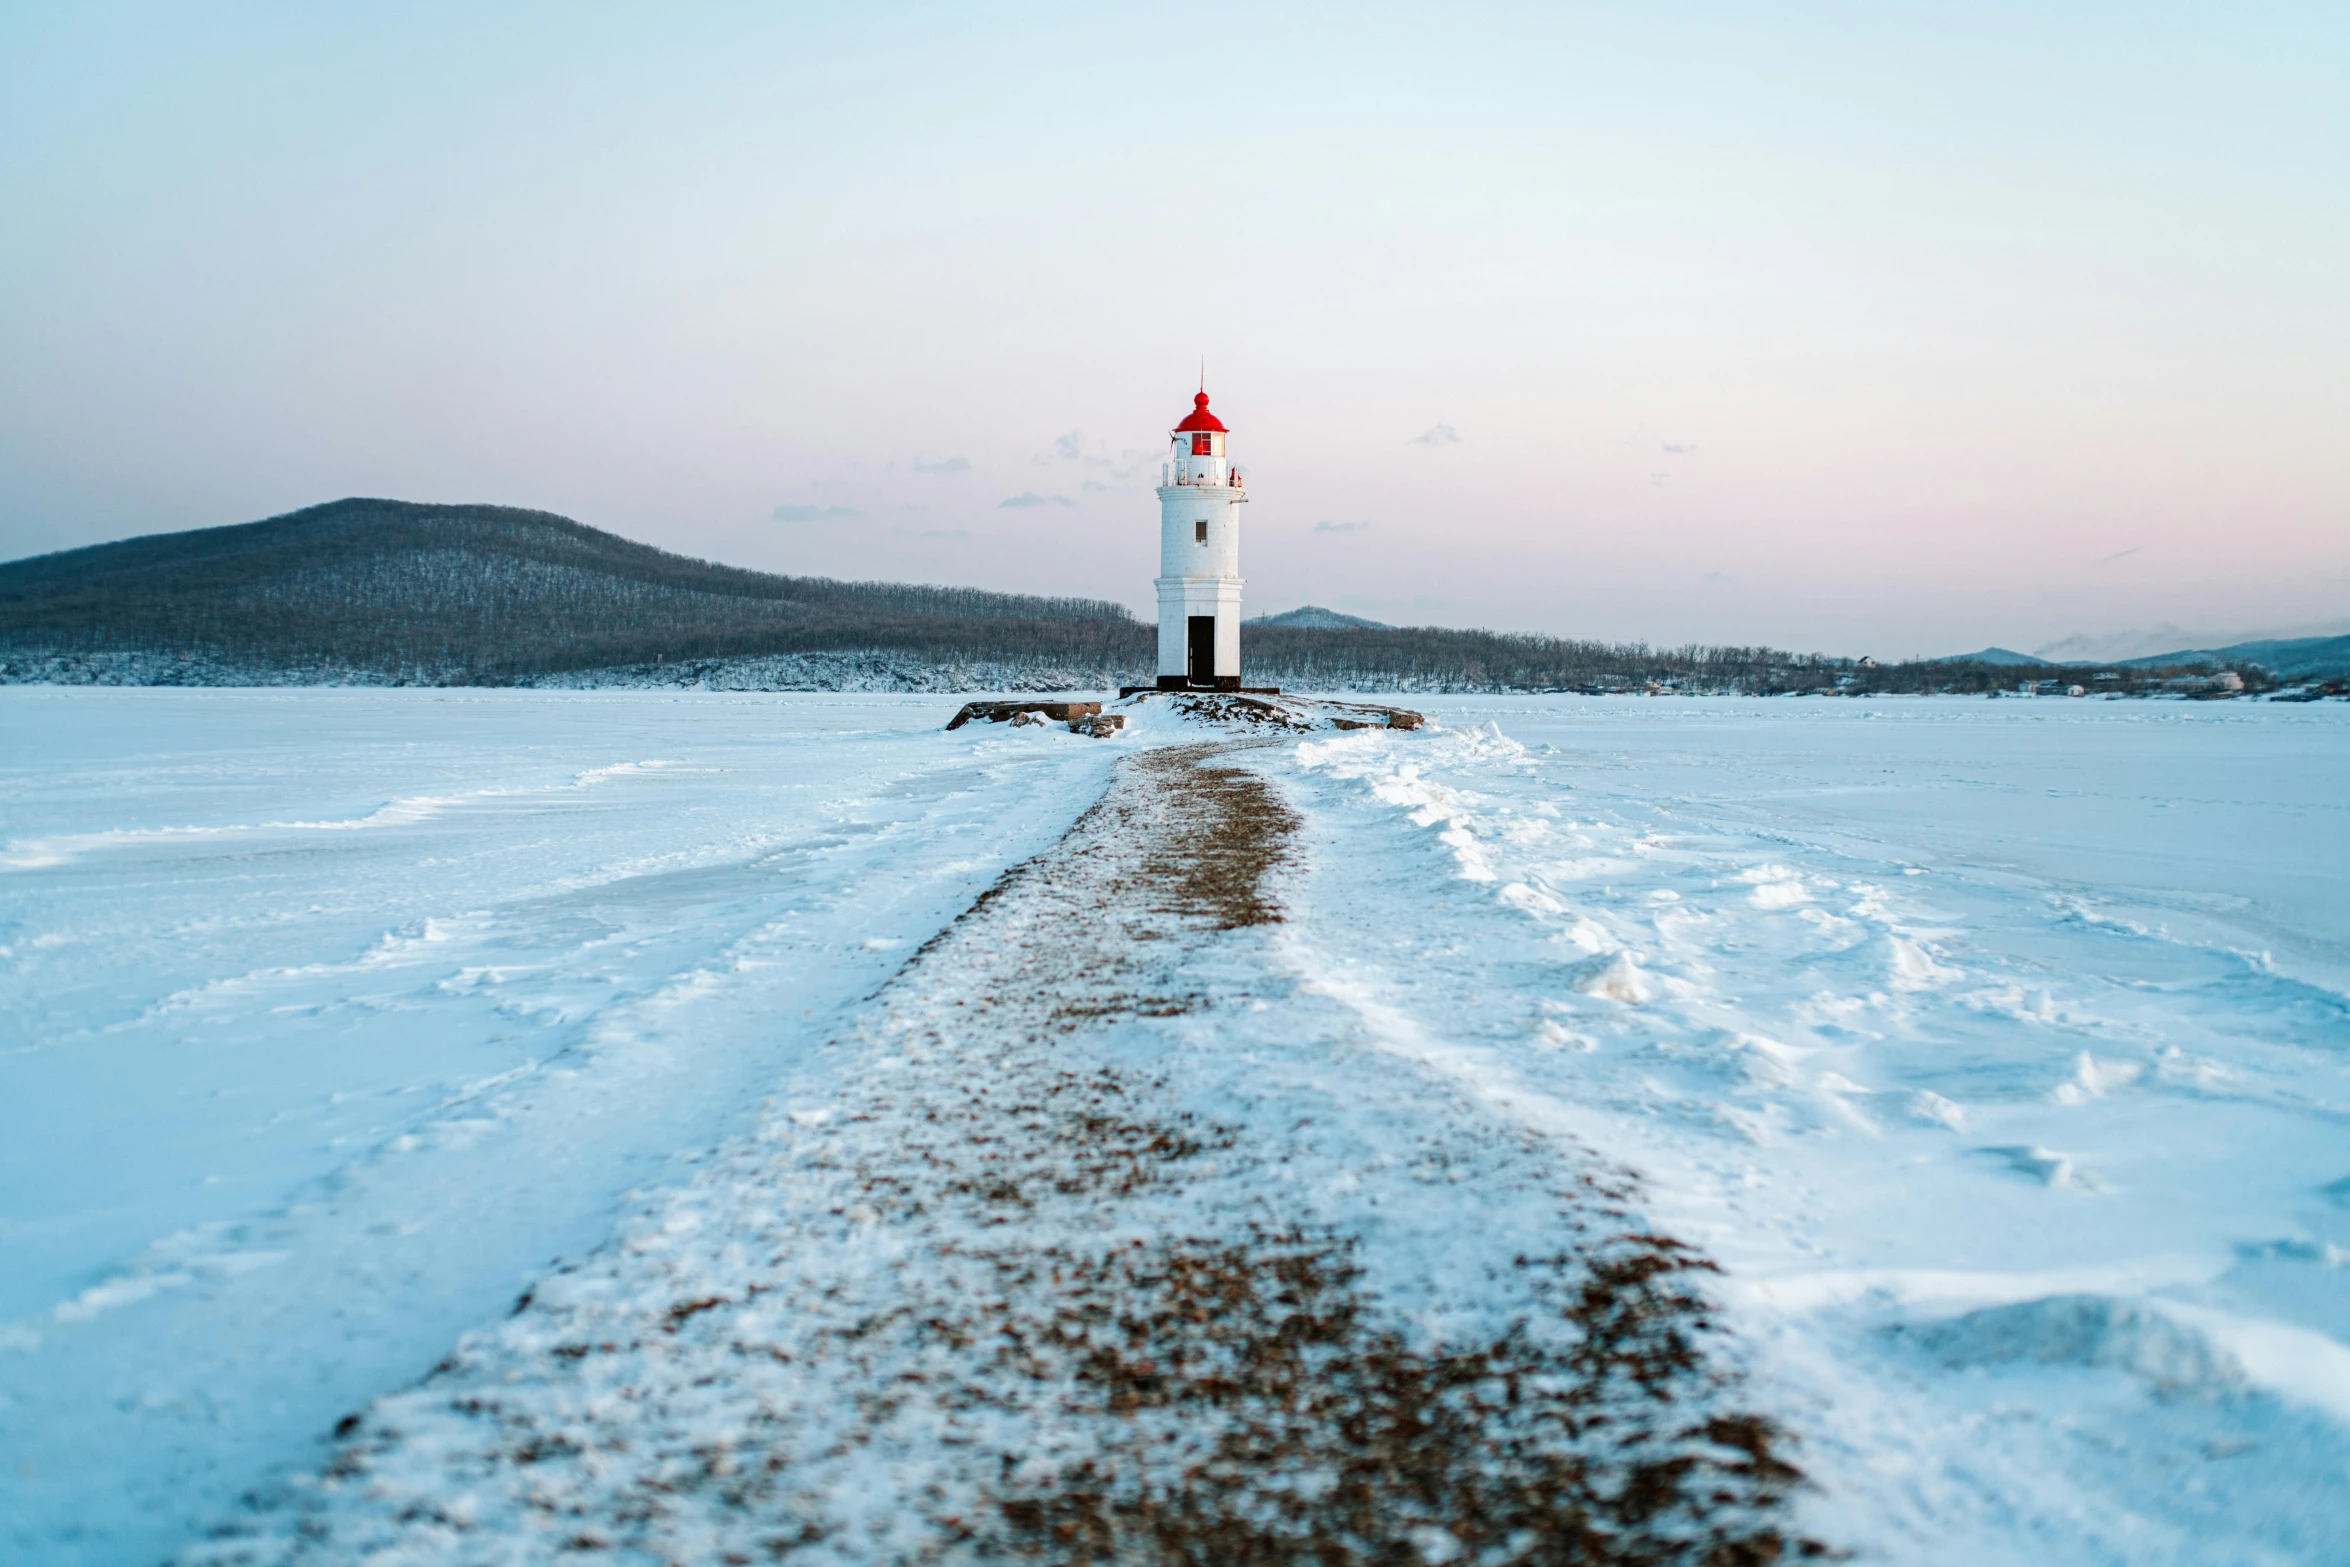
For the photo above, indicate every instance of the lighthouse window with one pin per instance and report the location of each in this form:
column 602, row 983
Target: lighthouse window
column 1199, row 531
column 1199, row 444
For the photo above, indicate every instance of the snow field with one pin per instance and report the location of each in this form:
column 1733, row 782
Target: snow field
column 1995, row 1051
column 2012, row 1103
column 332, row 1017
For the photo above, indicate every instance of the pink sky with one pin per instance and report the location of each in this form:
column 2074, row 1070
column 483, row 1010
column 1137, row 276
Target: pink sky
column 1851, row 329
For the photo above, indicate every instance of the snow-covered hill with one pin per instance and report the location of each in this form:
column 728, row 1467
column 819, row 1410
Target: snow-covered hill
column 1994, row 655
column 2316, row 651
column 2295, row 658
column 378, row 591
column 1313, row 617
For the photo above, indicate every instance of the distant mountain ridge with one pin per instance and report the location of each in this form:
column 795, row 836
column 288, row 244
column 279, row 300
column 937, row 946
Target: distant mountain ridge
column 2005, row 657
column 496, row 594
column 396, row 592
column 1313, row 617
column 2164, row 640
column 2290, row 658
column 2293, row 658
column 386, row 591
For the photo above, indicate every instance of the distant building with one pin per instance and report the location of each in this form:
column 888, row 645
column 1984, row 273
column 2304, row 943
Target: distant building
column 1199, row 558
column 2226, row 680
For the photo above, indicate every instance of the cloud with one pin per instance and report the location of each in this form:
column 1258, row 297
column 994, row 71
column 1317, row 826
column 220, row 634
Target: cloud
column 1071, row 448
column 1327, row 526
column 1659, row 478
column 1096, row 484
column 949, row 465
column 815, row 513
column 1717, row 576
column 1031, row 498
column 2118, row 554
column 1438, row 435
column 1679, row 451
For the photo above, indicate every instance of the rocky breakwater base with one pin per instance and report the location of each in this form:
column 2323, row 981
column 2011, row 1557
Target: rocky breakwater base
column 1265, row 712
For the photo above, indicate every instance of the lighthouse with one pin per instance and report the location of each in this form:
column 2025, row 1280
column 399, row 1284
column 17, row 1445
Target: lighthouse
column 1199, row 558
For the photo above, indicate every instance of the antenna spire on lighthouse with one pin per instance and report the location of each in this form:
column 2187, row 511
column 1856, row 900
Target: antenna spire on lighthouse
column 1199, row 578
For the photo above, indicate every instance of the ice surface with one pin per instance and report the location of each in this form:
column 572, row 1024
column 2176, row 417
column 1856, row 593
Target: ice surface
column 290, row 980
column 1999, row 1051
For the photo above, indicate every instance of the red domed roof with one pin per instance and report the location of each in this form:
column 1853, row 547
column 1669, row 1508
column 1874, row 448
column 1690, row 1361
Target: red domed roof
column 1199, row 418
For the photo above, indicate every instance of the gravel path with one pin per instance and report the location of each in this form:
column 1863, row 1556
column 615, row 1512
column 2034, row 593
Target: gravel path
column 1100, row 1238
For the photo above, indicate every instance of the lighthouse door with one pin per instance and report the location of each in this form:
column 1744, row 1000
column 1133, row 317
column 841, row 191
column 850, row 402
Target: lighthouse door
column 1200, row 634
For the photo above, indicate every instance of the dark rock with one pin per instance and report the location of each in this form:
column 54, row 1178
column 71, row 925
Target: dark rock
column 997, row 712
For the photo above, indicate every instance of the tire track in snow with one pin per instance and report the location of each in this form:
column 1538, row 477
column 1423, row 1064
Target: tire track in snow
column 1093, row 1239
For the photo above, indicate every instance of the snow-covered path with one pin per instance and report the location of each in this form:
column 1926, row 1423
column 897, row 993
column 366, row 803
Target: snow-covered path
column 1093, row 1240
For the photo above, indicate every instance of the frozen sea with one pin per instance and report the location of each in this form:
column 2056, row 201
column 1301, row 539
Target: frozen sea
column 1998, row 1051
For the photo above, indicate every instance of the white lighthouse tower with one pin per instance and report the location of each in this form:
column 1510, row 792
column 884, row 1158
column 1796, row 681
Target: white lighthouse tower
column 1199, row 558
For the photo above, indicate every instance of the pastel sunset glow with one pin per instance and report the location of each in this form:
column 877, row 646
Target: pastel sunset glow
column 1898, row 330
